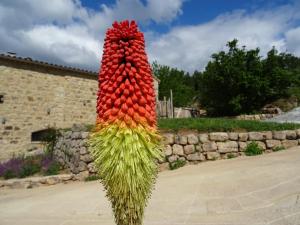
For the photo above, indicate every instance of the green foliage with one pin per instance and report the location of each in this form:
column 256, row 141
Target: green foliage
column 232, row 82
column 9, row 174
column 20, row 167
column 177, row 164
column 253, row 149
column 282, row 72
column 30, row 167
column 247, row 82
column 218, row 124
column 125, row 160
column 92, row 178
column 53, row 169
column 179, row 81
column 278, row 148
column 231, row 156
column 50, row 138
column 235, row 82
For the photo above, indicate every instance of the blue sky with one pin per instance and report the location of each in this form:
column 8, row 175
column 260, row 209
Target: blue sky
column 197, row 11
column 178, row 33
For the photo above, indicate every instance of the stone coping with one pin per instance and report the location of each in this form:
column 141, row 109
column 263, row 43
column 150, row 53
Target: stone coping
column 32, row 182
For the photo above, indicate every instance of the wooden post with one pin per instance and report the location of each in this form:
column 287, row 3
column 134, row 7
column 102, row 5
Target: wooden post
column 171, row 103
column 165, row 107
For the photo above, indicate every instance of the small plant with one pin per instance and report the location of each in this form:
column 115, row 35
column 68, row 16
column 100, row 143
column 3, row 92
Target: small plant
column 12, row 168
column 31, row 165
column 92, row 178
column 50, row 140
column 50, row 166
column 20, row 167
column 253, row 149
column 231, row 156
column 177, row 164
column 278, row 148
column 29, row 169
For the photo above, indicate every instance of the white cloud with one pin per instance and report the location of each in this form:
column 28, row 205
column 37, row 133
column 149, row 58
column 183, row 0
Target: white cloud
column 65, row 32
column 190, row 47
column 75, row 45
column 293, row 40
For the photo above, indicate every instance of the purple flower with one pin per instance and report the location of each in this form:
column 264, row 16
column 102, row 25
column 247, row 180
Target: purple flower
column 13, row 165
column 47, row 161
column 2, row 169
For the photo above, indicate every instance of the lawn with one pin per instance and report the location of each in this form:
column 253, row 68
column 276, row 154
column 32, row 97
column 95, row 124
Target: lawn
column 218, row 124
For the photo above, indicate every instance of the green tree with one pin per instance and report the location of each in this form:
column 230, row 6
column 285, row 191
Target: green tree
column 231, row 83
column 239, row 81
column 179, row 81
column 278, row 72
column 283, row 74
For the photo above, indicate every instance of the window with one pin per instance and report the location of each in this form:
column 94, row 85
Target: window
column 43, row 135
column 1, row 99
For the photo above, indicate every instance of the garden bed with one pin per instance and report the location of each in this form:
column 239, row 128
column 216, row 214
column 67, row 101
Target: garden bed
column 21, row 167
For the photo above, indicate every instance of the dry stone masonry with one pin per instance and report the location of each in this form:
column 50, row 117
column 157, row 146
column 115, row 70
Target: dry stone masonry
column 71, row 150
column 256, row 116
column 37, row 100
column 72, row 153
column 192, row 147
column 36, row 96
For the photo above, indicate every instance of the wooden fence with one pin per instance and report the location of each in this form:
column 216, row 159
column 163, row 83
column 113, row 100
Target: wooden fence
column 164, row 108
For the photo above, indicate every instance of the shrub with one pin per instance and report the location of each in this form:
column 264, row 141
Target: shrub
column 29, row 168
column 177, row 164
column 12, row 168
column 20, row 167
column 253, row 149
column 50, row 138
column 49, row 166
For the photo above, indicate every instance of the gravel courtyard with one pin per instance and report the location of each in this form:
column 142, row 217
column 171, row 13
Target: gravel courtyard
column 260, row 190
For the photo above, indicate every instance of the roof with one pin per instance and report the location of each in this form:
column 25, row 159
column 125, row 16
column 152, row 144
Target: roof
column 27, row 60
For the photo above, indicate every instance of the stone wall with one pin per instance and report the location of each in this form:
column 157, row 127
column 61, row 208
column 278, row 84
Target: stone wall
column 35, row 96
column 71, row 151
column 34, row 101
column 256, row 116
column 192, row 147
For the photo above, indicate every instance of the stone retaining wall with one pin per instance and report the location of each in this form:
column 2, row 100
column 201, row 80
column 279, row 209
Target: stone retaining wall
column 32, row 182
column 192, row 147
column 255, row 117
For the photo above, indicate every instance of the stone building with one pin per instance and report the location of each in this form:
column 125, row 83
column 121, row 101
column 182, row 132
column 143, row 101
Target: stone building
column 36, row 96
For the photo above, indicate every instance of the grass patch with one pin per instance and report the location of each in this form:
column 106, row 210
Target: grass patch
column 222, row 125
column 177, row 164
column 278, row 148
column 253, row 149
column 92, row 178
column 231, row 156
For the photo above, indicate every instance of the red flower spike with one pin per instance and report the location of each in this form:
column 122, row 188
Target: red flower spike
column 125, row 78
column 129, row 102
